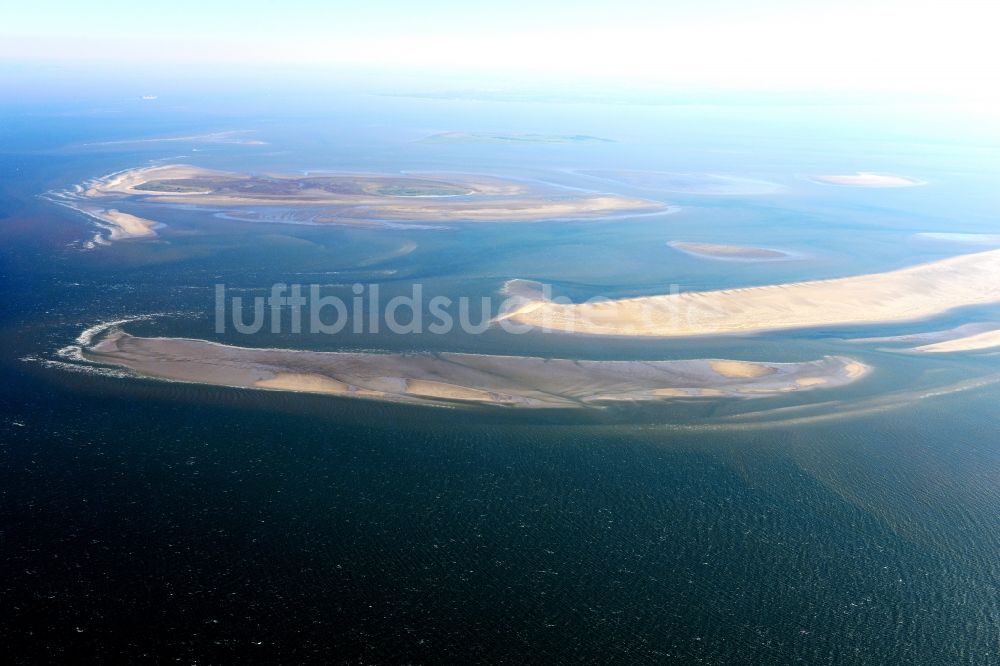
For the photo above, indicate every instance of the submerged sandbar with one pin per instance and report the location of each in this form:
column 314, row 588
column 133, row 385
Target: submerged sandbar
column 965, row 238
column 711, row 184
column 867, row 179
column 446, row 378
column 730, row 252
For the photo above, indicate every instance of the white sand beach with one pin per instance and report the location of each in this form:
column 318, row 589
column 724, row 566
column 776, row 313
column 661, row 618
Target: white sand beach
column 907, row 294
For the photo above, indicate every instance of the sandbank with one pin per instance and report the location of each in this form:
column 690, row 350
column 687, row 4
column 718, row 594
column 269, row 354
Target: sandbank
column 127, row 226
column 928, row 337
column 908, row 294
column 730, row 252
column 446, row 378
column 119, row 225
column 978, row 341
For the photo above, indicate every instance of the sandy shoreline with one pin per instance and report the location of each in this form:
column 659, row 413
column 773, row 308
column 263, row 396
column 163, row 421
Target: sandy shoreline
column 908, row 294
column 446, row 378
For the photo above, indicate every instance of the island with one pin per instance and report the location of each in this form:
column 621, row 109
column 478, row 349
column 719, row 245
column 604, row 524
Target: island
column 455, row 379
column 348, row 198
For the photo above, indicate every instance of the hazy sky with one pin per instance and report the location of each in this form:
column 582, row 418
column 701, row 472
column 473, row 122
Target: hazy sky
column 939, row 47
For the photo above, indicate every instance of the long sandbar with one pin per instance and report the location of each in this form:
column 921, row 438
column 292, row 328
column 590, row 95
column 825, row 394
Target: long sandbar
column 446, row 378
column 908, row 294
column 977, row 342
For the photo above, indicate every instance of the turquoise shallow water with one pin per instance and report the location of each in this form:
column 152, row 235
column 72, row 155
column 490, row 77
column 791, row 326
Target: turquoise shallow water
column 207, row 523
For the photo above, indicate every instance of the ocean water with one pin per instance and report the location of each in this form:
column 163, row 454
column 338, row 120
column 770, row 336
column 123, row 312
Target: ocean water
column 143, row 519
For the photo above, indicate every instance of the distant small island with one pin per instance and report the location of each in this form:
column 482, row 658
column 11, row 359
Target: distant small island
column 334, row 198
column 511, row 137
column 730, row 252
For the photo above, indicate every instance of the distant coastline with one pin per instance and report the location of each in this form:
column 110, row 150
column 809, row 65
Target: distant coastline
column 511, row 138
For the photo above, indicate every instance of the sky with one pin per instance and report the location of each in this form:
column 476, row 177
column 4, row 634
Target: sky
column 932, row 48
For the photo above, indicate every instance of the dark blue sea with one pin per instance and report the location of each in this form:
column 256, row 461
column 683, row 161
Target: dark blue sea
column 145, row 521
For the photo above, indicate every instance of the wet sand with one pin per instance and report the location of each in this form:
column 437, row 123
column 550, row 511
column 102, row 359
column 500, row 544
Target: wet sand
column 451, row 379
column 908, row 294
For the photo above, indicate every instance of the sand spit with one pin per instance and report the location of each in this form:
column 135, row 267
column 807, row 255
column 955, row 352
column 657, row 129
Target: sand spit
column 355, row 198
column 984, row 340
column 445, row 378
column 730, row 252
column 908, row 294
column 116, row 224
column 124, row 225
column 91, row 200
column 868, row 179
column 927, row 337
